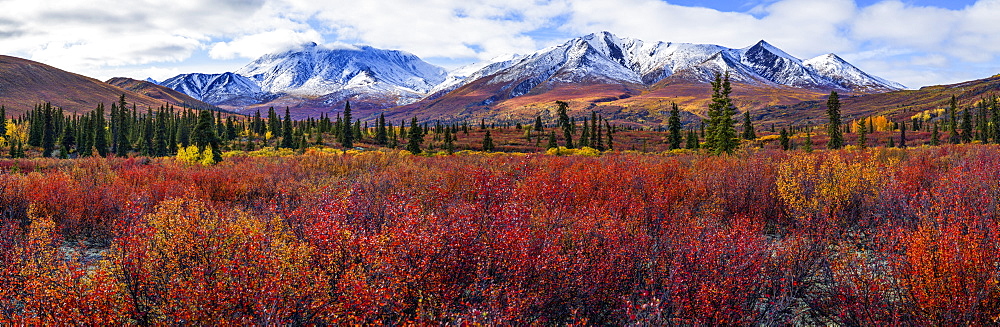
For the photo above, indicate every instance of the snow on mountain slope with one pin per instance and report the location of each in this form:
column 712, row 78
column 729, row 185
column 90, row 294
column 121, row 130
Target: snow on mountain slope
column 846, row 75
column 606, row 58
column 466, row 74
column 225, row 88
column 314, row 70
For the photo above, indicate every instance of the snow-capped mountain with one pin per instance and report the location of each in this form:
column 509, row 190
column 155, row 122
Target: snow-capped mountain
column 218, row 89
column 606, row 58
column 845, row 74
column 469, row 73
column 314, row 70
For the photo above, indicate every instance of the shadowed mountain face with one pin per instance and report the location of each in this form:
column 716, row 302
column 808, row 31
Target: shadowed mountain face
column 25, row 83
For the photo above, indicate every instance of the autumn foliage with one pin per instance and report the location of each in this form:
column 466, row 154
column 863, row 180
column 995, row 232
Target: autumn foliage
column 871, row 237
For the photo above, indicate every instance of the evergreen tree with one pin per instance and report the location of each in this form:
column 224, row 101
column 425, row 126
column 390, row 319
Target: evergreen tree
column 748, row 132
column 552, row 141
column 381, row 135
column 784, row 139
column 833, row 128
column 48, row 130
column 3, row 121
column 287, row 138
column 416, row 137
column 203, row 135
column 862, row 137
column 808, row 147
column 565, row 123
column 721, row 135
column 100, row 134
column 967, row 126
column 449, row 141
column 585, row 135
column 346, row 132
column 902, row 135
column 538, row 124
column 674, row 126
column 692, row 140
column 68, row 140
column 488, row 142
column 273, row 122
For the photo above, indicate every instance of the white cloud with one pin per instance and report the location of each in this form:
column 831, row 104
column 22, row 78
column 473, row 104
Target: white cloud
column 256, row 45
column 891, row 38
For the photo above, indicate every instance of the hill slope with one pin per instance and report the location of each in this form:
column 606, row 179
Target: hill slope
column 24, row 83
column 898, row 105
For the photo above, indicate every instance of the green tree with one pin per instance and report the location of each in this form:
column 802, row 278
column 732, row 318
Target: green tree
column 203, row 136
column 273, row 122
column 381, row 134
column 674, row 126
column 862, row 134
column 692, row 140
column 346, row 132
column 552, row 141
column 748, row 132
column 565, row 124
column 833, row 127
column 721, row 135
column 3, row 120
column 488, row 142
column 100, row 133
column 953, row 136
column 538, row 124
column 808, row 147
column 784, row 139
column 902, row 135
column 287, row 135
column 415, row 137
column 449, row 141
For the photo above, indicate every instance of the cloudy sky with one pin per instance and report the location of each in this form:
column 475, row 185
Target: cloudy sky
column 914, row 42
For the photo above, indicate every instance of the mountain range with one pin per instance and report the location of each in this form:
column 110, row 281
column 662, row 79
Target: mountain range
column 599, row 68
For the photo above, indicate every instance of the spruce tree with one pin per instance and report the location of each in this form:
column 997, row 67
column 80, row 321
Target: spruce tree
column 415, row 137
column 381, row 135
column 748, row 132
column 565, row 123
column 784, row 140
column 585, row 135
column 48, row 131
column 273, row 122
column 203, row 135
column 721, row 135
column 346, row 132
column 902, row 135
column 100, row 134
column 674, row 126
column 287, row 138
column 488, row 142
column 833, row 128
column 692, row 140
column 953, row 136
column 552, row 141
column 862, row 137
column 68, row 140
column 808, row 147
column 966, row 126
column 449, row 141
column 3, row 121
column 538, row 124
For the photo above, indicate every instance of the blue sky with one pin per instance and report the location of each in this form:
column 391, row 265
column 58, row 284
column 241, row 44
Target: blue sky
column 915, row 42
